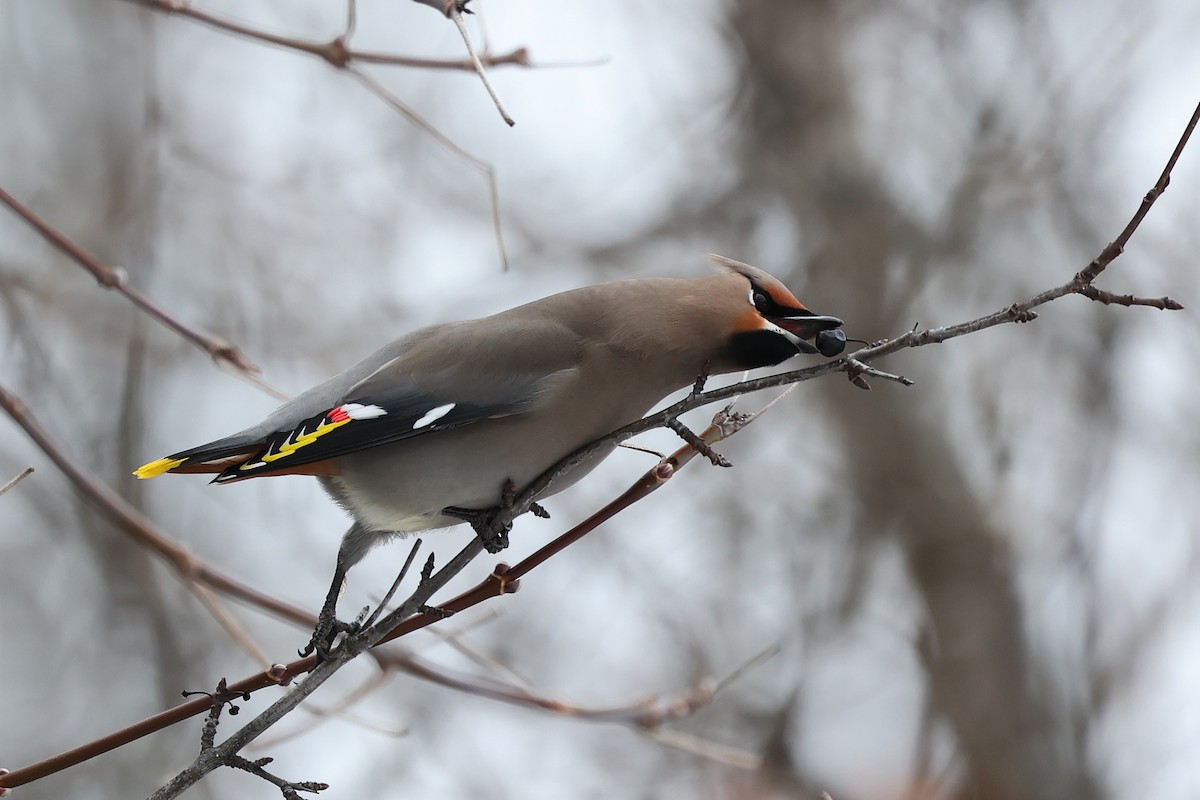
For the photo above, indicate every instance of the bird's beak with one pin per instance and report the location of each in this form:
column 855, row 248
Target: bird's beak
column 824, row 331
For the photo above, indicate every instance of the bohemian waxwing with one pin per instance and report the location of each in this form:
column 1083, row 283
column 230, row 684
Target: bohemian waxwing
column 441, row 420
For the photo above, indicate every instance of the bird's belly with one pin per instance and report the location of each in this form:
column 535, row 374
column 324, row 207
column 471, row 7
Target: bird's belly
column 404, row 486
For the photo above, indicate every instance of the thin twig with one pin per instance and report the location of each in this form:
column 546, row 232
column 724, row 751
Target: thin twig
column 647, row 450
column 338, row 54
column 290, row 790
column 115, row 279
column 225, row 618
column 770, row 404
column 351, row 20
column 1117, row 246
column 335, row 51
column 339, row 710
column 705, row 748
column 854, row 367
column 479, row 165
column 1108, row 298
column 456, row 15
column 387, row 598
column 454, row 640
column 647, row 714
column 518, row 57
column 25, row 473
column 135, row 523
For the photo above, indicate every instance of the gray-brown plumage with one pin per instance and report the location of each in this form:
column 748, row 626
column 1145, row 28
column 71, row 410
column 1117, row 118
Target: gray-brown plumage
column 447, row 415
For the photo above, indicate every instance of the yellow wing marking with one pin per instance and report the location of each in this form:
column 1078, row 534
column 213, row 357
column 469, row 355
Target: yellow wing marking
column 288, row 447
column 155, row 468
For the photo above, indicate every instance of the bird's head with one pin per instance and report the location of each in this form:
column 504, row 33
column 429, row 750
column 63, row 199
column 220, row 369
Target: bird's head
column 769, row 324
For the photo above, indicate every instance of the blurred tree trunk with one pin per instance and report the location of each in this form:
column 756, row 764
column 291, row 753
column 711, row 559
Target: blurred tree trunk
column 801, row 148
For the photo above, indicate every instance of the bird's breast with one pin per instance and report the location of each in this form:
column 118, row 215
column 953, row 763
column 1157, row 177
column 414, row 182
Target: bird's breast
column 403, row 486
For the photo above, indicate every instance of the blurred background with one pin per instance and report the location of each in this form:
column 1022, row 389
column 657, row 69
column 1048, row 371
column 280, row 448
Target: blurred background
column 980, row 586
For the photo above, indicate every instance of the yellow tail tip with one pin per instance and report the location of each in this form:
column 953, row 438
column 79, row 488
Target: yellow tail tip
column 155, row 468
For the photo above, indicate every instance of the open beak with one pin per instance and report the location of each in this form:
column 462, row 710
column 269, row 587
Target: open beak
column 827, row 339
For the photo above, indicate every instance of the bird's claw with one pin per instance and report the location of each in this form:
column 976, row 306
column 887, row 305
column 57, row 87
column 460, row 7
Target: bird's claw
column 493, row 536
column 325, row 634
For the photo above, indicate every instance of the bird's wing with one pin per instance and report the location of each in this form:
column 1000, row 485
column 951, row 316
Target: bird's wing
column 381, row 414
column 445, row 377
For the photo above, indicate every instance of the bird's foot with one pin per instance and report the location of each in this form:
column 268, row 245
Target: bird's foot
column 486, row 525
column 329, row 627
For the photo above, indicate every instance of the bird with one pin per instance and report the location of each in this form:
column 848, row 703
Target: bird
column 434, row 428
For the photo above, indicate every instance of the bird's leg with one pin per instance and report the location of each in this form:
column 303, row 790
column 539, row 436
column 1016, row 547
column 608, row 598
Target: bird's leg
column 355, row 545
column 701, row 379
column 486, row 523
column 328, row 625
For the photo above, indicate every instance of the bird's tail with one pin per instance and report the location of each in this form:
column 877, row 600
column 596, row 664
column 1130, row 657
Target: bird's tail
column 212, row 457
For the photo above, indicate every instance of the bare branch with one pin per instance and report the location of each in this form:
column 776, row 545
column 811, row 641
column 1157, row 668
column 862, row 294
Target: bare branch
column 338, row 54
column 387, row 598
column 225, row 618
column 134, row 522
column 648, row 715
column 721, row 753
column 1092, row 271
column 340, row 710
column 456, row 15
column 335, row 51
column 856, row 368
column 480, row 166
column 25, row 473
column 517, row 57
column 290, row 790
column 1108, row 298
column 114, row 278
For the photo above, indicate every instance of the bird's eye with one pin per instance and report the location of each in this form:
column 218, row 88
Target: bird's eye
column 761, row 300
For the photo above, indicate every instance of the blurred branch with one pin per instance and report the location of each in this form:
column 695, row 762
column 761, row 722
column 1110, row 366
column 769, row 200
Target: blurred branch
column 454, row 11
column 479, row 165
column 115, row 278
column 648, row 716
column 189, row 568
column 340, row 710
column 25, row 473
column 338, row 54
column 1081, row 283
column 517, row 57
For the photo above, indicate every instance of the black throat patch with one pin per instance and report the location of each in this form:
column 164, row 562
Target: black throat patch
column 761, row 348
